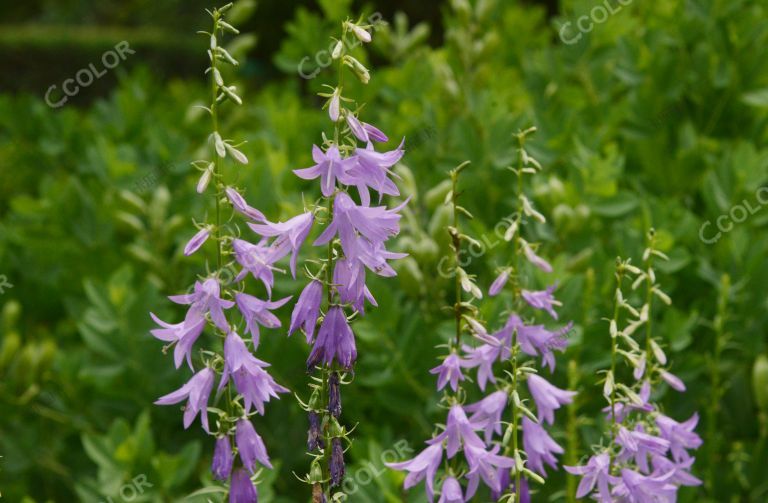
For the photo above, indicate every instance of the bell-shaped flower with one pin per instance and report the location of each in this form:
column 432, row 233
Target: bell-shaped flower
column 674, row 382
column 499, row 282
column 205, row 300
column 241, row 489
column 375, row 224
column 486, row 414
column 483, row 357
column 548, row 397
column 458, row 432
column 638, row 445
column 197, row 391
column 248, row 374
column 596, row 473
column 484, row 465
column 636, row 487
column 289, row 236
column 329, row 166
column 681, row 474
column 371, row 169
column 307, row 309
column 539, row 446
column 258, row 259
column 349, row 279
column 238, row 202
column 449, row 371
column 335, row 341
column 542, row 299
column 680, row 435
column 537, row 340
column 363, row 131
column 450, row 492
column 197, row 241
column 221, row 466
column 257, row 312
column 184, row 334
column 535, row 259
column 423, row 466
column 250, row 446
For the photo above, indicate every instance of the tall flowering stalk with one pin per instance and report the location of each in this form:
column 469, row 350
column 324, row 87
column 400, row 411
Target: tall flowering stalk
column 354, row 235
column 219, row 305
column 647, row 458
column 502, row 458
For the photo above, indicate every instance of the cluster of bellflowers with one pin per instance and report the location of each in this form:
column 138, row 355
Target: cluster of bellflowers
column 501, row 440
column 219, row 305
column 648, row 457
column 354, row 177
column 354, row 235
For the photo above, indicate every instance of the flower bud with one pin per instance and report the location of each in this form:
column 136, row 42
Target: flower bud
column 336, row 52
column 221, row 466
column 337, row 463
column 334, row 105
column 218, row 143
column 314, row 435
column 357, row 67
column 202, row 184
column 315, row 473
column 361, row 34
column 334, row 395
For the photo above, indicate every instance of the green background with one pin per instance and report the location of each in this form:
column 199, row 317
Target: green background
column 657, row 117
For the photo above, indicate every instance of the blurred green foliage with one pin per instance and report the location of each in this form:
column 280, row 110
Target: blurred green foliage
column 657, row 117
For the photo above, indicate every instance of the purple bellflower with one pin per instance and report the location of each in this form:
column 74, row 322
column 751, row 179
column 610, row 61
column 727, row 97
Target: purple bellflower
column 250, row 446
column 184, row 334
column 307, row 309
column 329, row 166
column 206, row 299
column 257, row 312
column 335, row 341
column 221, row 467
column 539, row 446
column 423, row 466
column 542, row 300
column 486, row 414
column 450, row 492
column 596, row 473
column 548, row 398
column 241, row 489
column 449, row 372
column 242, row 207
column 289, row 236
column 197, row 241
column 247, row 371
column 197, row 391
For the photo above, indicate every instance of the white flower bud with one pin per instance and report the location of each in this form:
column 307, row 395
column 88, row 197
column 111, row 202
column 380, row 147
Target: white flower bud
column 361, row 34
column 336, row 53
column 661, row 357
column 236, row 154
column 218, row 143
column 202, row 184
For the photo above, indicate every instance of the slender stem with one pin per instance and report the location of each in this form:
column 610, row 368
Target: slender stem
column 326, row 369
column 456, row 249
column 515, row 446
column 614, row 347
column 515, row 298
column 649, row 301
column 714, row 404
column 215, row 118
column 519, row 218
